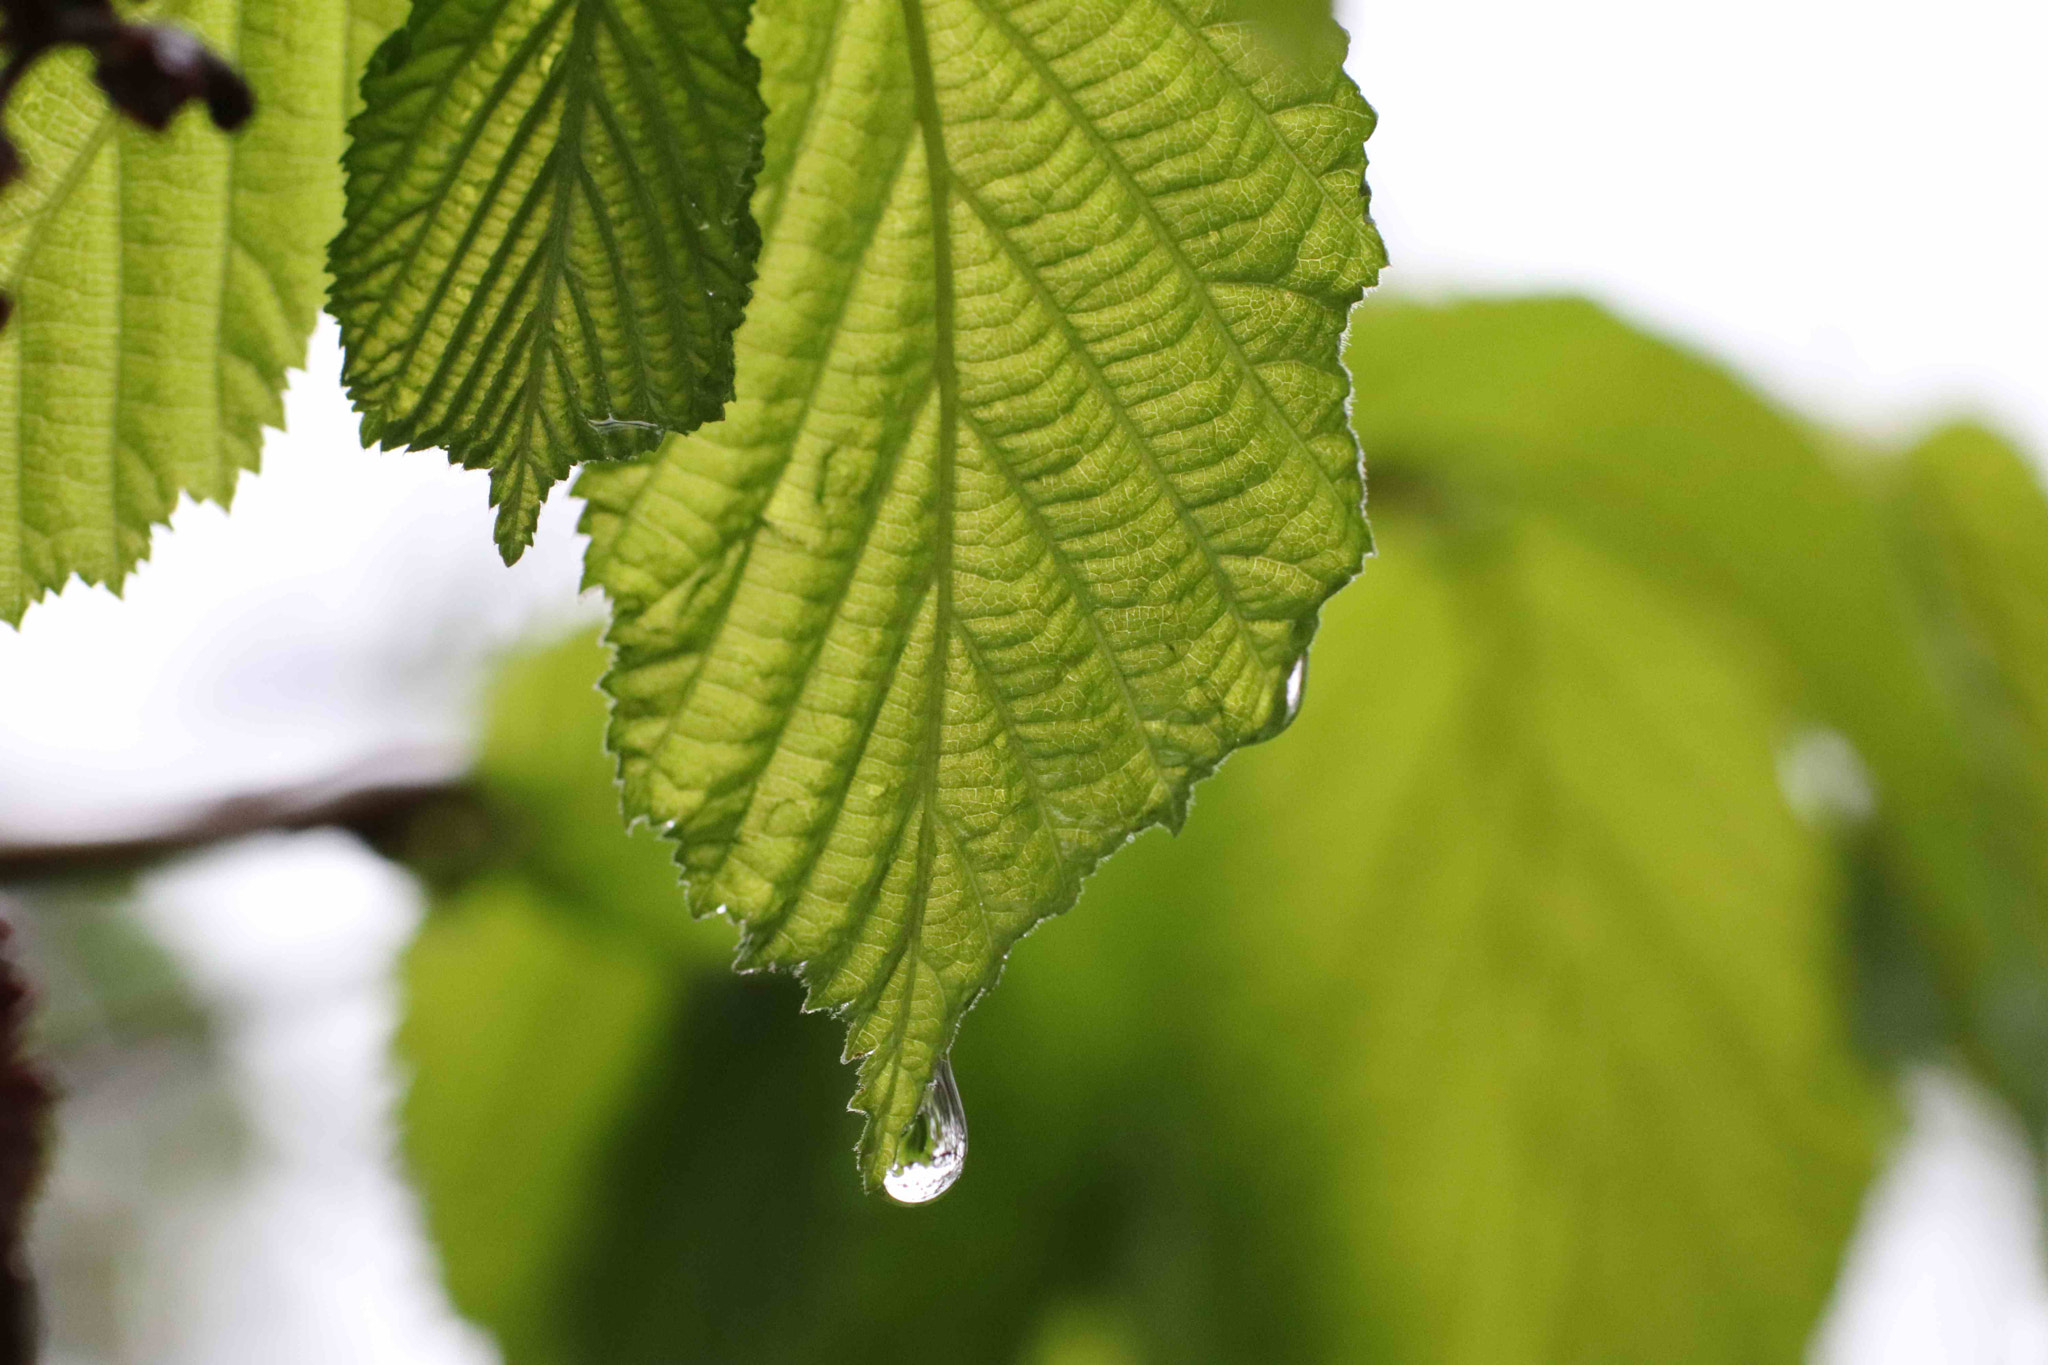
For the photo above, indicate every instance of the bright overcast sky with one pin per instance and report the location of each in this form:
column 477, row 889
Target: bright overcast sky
column 1845, row 197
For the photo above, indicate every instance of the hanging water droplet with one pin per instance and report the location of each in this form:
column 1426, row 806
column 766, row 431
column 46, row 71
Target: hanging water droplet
column 935, row 1147
column 1292, row 688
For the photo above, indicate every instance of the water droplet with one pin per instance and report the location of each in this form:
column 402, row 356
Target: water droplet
column 605, row 426
column 935, row 1147
column 1292, row 688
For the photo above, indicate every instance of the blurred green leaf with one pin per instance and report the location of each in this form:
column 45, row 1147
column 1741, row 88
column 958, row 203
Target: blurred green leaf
column 531, row 1030
column 163, row 284
column 547, row 244
column 1971, row 516
column 1974, row 516
column 1295, row 27
column 1665, row 461
column 554, row 805
column 1527, row 936
column 1036, row 476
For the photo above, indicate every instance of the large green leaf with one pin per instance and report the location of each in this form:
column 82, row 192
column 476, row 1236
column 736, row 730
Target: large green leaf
column 1670, row 464
column 1037, row 474
column 548, row 244
column 164, row 285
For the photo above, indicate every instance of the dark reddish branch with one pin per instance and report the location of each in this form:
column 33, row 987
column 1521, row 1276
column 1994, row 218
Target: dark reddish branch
column 25, row 1099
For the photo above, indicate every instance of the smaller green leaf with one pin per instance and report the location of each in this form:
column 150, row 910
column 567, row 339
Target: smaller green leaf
column 547, row 244
column 1983, row 538
column 1294, row 27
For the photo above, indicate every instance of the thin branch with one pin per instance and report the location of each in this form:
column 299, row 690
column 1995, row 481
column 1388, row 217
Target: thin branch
column 383, row 801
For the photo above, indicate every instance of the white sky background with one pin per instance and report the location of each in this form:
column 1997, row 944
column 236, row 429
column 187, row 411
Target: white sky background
column 1843, row 199
column 1846, row 197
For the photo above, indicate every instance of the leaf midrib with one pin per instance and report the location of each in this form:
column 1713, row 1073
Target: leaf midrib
column 946, row 379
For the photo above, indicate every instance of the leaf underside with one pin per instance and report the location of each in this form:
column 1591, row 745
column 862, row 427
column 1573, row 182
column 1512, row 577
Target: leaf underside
column 163, row 286
column 1037, row 474
column 548, row 244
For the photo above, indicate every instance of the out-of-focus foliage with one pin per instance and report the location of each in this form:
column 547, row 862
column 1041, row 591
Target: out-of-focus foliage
column 1500, row 1012
column 1554, row 408
column 1581, row 1057
column 1576, row 952
column 163, row 285
column 1035, row 477
column 1970, row 515
column 1294, row 27
column 557, row 1027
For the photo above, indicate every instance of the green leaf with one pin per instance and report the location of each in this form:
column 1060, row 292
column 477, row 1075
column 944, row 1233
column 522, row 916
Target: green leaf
column 1671, row 465
column 518, row 1010
column 548, row 787
column 163, row 287
column 1980, row 525
column 1569, row 960
column 548, row 244
column 1973, row 521
column 1037, row 474
column 1296, row 27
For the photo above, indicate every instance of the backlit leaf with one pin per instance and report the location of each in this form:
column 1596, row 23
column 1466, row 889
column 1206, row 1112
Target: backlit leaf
column 1037, row 474
column 163, row 286
column 548, row 244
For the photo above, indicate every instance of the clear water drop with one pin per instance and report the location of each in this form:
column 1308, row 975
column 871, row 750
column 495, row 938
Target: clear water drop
column 935, row 1147
column 605, row 426
column 1292, row 689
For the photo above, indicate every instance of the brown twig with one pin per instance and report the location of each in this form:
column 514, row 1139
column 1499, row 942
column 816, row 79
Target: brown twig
column 382, row 801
